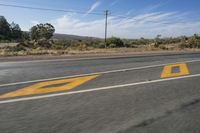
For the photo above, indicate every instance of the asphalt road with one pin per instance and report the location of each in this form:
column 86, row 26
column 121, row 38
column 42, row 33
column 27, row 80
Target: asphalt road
column 101, row 95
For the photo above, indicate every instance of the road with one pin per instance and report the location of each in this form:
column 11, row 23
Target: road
column 131, row 94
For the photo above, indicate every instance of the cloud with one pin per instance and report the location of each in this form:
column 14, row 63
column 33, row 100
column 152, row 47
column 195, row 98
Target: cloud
column 129, row 12
column 34, row 22
column 146, row 25
column 71, row 25
column 152, row 8
column 94, row 6
column 114, row 3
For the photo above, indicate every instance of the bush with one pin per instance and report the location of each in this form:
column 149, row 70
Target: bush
column 112, row 45
column 163, row 47
column 60, row 45
column 82, row 47
column 157, row 43
column 191, row 42
column 101, row 45
column 194, row 41
column 16, row 48
column 43, row 43
column 26, row 44
column 183, row 45
column 114, row 42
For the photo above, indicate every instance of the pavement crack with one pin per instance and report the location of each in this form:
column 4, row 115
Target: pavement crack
column 193, row 102
column 167, row 113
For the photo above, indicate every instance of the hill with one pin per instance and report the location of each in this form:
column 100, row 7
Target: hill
column 73, row 37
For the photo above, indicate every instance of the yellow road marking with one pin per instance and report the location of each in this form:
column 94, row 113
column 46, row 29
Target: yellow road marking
column 167, row 71
column 45, row 87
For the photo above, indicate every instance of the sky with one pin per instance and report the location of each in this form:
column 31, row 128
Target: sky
column 126, row 19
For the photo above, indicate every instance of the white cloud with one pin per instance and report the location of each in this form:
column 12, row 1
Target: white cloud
column 129, row 12
column 151, row 8
column 71, row 25
column 94, row 6
column 114, row 3
column 145, row 25
column 34, row 22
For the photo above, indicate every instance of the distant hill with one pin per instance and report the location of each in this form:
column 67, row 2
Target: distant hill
column 73, row 37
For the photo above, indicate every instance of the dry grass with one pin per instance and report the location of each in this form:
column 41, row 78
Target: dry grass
column 95, row 51
column 2, row 45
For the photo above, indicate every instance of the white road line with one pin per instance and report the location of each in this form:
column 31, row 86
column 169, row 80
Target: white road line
column 96, row 73
column 95, row 89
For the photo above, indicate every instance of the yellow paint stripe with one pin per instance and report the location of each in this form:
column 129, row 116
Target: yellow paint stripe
column 167, row 71
column 42, row 88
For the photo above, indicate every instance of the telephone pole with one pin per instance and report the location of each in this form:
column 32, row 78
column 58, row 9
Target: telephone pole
column 106, row 25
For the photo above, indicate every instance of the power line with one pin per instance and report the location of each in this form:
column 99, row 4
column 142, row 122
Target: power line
column 49, row 9
column 36, row 4
column 60, row 10
column 72, row 11
column 107, row 13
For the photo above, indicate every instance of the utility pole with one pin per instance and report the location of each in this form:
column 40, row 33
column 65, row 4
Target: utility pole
column 106, row 25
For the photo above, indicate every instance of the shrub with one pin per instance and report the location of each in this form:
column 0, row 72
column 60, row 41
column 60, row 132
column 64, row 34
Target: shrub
column 163, row 47
column 194, row 41
column 26, row 44
column 114, row 42
column 184, row 44
column 16, row 48
column 61, row 44
column 112, row 45
column 101, row 45
column 82, row 47
column 43, row 43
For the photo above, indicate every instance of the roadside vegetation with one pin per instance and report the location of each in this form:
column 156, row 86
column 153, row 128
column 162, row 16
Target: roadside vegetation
column 41, row 39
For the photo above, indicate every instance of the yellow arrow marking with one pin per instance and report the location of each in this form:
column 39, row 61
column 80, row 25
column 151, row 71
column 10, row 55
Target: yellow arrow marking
column 167, row 71
column 45, row 87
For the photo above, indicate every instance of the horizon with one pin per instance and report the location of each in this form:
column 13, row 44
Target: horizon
column 128, row 19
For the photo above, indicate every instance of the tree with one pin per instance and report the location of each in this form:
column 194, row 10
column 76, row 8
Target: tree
column 4, row 29
column 42, row 31
column 25, row 36
column 16, row 32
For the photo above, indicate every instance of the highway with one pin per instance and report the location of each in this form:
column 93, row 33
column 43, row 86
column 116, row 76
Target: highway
column 122, row 94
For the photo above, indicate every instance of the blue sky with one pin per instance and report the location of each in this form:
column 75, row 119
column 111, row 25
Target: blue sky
column 128, row 18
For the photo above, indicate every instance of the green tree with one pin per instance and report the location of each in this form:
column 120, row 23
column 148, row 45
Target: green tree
column 5, row 31
column 115, row 42
column 42, row 31
column 25, row 36
column 16, row 33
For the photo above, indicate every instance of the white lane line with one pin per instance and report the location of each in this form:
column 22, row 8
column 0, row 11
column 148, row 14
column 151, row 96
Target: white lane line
column 96, row 73
column 95, row 89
